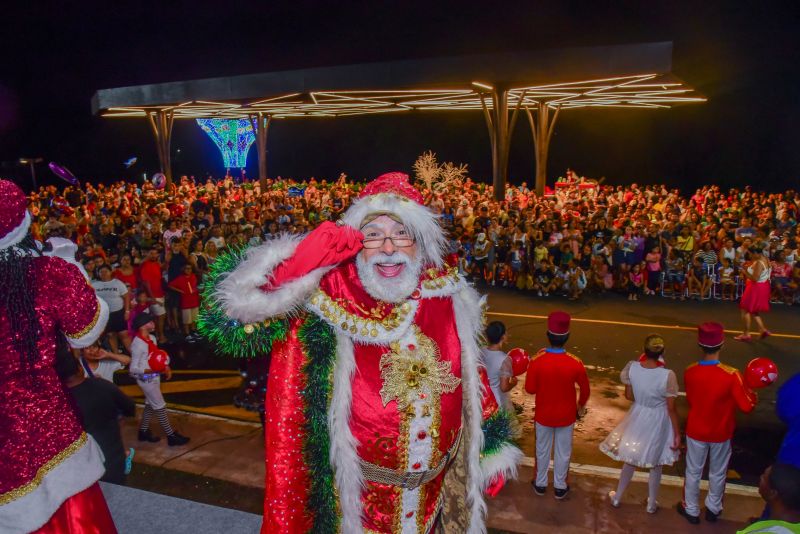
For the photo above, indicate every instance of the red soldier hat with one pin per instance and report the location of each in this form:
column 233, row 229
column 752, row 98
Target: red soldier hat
column 558, row 323
column 710, row 335
column 14, row 217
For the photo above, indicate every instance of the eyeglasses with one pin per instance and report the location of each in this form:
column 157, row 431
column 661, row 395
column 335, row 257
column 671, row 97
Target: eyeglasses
column 399, row 241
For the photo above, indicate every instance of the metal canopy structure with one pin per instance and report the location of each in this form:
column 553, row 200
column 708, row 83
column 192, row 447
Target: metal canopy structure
column 541, row 83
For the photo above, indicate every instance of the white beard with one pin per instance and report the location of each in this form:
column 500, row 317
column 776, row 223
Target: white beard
column 392, row 290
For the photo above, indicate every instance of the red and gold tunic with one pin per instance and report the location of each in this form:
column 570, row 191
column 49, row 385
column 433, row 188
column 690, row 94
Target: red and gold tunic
column 406, row 395
column 46, row 456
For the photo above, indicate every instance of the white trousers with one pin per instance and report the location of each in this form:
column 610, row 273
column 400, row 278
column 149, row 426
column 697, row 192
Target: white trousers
column 152, row 393
column 719, row 454
column 545, row 437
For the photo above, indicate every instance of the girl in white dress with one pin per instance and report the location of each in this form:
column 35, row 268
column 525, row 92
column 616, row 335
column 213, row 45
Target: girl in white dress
column 649, row 435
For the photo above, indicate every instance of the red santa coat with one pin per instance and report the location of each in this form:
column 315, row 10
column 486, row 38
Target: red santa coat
column 552, row 376
column 47, row 458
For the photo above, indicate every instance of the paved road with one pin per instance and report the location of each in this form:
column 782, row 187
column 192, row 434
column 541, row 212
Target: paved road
column 607, row 332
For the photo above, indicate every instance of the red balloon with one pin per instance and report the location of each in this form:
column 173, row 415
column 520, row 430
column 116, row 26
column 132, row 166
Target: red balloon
column 519, row 360
column 760, row 373
column 158, row 360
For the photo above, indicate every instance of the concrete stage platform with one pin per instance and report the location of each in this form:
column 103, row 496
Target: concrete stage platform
column 143, row 512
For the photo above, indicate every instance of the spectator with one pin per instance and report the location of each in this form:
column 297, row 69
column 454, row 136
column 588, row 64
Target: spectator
column 726, row 280
column 127, row 273
column 779, row 486
column 100, row 363
column 698, row 280
column 99, row 403
column 498, row 365
column 781, row 276
column 153, row 285
column 707, row 255
column 172, row 233
column 481, row 256
column 636, row 282
column 186, row 286
column 653, row 261
column 745, row 230
column 115, row 293
column 576, row 280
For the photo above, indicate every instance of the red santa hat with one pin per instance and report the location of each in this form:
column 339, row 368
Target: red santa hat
column 558, row 323
column 14, row 217
column 710, row 335
column 391, row 194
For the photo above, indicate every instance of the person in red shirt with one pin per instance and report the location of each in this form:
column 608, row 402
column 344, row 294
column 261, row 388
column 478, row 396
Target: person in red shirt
column 186, row 285
column 552, row 376
column 152, row 278
column 714, row 392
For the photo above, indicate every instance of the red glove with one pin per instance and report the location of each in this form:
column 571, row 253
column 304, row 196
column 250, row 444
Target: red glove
column 328, row 244
column 496, row 485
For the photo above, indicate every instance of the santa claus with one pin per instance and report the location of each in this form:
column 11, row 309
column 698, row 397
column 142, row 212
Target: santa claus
column 378, row 418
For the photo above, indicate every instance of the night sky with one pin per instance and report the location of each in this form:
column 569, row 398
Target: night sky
column 744, row 56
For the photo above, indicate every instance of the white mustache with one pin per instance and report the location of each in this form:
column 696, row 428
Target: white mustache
column 396, row 258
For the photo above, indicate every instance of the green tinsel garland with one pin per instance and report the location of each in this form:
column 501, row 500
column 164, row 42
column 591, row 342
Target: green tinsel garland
column 319, row 344
column 498, row 429
column 229, row 336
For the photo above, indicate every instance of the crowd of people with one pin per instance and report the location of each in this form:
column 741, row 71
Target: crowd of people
column 634, row 240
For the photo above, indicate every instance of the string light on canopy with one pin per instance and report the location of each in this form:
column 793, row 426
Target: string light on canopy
column 233, row 137
column 541, row 84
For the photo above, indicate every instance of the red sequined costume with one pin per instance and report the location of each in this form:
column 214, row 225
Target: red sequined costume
column 405, row 421
column 49, row 467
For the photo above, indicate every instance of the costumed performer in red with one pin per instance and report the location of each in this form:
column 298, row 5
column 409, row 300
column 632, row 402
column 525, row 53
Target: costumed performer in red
column 755, row 299
column 49, row 465
column 378, row 417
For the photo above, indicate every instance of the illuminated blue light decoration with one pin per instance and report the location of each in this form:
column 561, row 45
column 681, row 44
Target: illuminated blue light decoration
column 233, row 137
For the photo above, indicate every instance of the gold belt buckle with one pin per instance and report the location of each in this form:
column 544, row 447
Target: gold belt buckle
column 413, row 479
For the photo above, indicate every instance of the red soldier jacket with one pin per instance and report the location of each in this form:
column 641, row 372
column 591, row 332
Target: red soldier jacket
column 714, row 391
column 552, row 377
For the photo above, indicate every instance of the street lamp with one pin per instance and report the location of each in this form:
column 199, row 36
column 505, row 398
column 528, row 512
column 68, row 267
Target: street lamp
column 31, row 162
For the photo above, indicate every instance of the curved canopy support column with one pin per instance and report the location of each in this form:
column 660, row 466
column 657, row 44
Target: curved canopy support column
column 161, row 122
column 260, row 122
column 542, row 131
column 500, row 130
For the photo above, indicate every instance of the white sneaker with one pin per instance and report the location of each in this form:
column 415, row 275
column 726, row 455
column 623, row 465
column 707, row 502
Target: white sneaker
column 539, row 293
column 652, row 507
column 612, row 498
